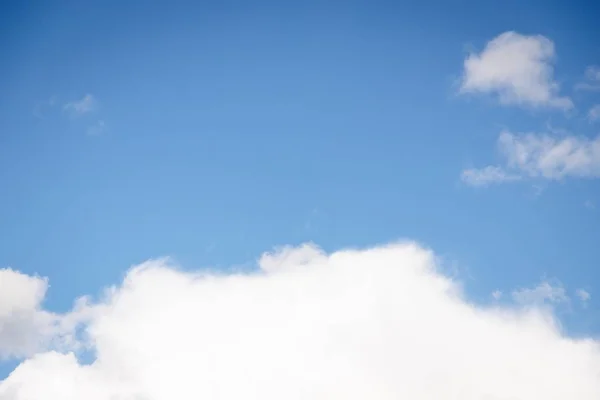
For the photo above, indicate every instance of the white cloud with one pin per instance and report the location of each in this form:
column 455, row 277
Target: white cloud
column 487, row 175
column 583, row 295
column 518, row 68
column 380, row 324
column 83, row 106
column 497, row 294
column 543, row 156
column 542, row 293
column 594, row 112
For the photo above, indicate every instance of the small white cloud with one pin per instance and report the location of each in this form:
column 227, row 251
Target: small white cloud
column 594, row 112
column 518, row 68
column 542, row 293
column 542, row 156
column 497, row 294
column 583, row 295
column 83, row 106
column 487, row 175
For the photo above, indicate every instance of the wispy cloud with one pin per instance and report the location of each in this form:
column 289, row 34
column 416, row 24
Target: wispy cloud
column 540, row 294
column 583, row 295
column 594, row 113
column 592, row 79
column 487, row 176
column 592, row 73
column 540, row 156
column 518, row 69
column 40, row 108
column 590, row 205
column 83, row 108
column 86, row 104
column 97, row 128
column 312, row 218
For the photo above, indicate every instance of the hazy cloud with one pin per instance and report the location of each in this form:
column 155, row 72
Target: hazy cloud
column 583, row 295
column 84, row 105
column 542, row 293
column 41, row 108
column 487, row 175
column 592, row 79
column 97, row 128
column 594, row 112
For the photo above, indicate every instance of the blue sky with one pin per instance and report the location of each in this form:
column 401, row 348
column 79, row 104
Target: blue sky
column 213, row 132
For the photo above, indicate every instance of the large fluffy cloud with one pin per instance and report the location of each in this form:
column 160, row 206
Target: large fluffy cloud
column 382, row 323
column 543, row 156
column 518, row 68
